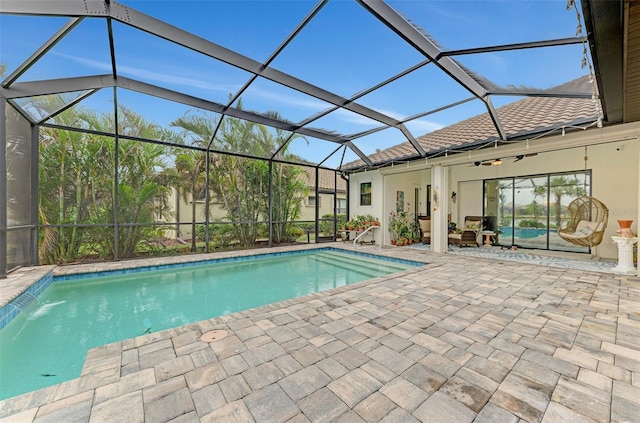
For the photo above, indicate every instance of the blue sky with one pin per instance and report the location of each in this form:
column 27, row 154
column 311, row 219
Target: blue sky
column 344, row 50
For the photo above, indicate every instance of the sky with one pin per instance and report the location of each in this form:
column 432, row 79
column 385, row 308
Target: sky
column 344, row 49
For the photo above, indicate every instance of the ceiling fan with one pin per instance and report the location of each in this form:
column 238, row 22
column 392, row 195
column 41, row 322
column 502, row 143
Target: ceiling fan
column 494, row 162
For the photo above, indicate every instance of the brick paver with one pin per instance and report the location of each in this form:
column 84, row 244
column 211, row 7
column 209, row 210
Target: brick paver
column 463, row 339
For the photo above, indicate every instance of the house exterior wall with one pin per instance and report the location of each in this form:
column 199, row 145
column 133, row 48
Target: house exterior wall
column 308, row 211
column 181, row 210
column 377, row 199
column 182, row 213
column 614, row 179
column 614, row 165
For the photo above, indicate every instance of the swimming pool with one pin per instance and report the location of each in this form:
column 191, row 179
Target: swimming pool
column 47, row 343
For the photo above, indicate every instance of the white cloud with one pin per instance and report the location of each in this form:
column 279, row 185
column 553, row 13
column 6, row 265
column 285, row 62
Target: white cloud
column 289, row 100
column 147, row 75
column 420, row 127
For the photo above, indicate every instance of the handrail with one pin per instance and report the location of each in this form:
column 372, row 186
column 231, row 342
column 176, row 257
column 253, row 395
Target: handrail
column 370, row 228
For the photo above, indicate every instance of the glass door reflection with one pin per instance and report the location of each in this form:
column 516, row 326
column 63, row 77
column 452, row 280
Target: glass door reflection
column 530, row 223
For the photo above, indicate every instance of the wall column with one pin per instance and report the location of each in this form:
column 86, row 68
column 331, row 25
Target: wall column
column 3, row 188
column 439, row 209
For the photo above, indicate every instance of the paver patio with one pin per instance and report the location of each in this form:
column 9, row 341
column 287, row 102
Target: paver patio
column 461, row 340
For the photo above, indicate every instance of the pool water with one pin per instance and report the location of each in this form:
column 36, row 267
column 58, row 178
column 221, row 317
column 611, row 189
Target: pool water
column 47, row 343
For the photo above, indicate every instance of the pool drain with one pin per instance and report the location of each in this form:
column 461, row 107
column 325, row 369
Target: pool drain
column 214, row 335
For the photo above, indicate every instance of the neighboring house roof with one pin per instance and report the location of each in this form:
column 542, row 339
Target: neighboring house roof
column 326, row 178
column 524, row 118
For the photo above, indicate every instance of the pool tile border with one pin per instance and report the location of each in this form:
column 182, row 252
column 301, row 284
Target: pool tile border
column 204, row 262
column 9, row 311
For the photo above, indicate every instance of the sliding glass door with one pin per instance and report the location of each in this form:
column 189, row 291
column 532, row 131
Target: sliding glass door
column 531, row 202
column 527, row 211
column 563, row 189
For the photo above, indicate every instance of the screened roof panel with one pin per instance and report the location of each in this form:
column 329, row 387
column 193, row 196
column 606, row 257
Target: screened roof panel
column 310, row 149
column 348, row 73
column 40, row 108
column 94, row 111
column 341, row 157
column 264, row 96
column 177, row 123
column 344, row 121
column 380, row 140
column 369, row 52
column 466, row 24
column 83, row 51
column 440, row 119
column 98, row 102
column 174, row 67
column 16, row 48
column 221, row 19
column 422, row 90
column 528, row 68
column 247, row 138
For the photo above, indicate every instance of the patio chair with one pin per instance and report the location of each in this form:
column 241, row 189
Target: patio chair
column 468, row 234
column 425, row 229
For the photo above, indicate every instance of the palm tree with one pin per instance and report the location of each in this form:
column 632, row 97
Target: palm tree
column 560, row 186
column 191, row 179
column 288, row 183
column 189, row 175
column 67, row 183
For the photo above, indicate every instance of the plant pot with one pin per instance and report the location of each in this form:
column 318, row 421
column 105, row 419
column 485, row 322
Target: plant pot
column 625, row 224
column 394, row 242
column 625, row 228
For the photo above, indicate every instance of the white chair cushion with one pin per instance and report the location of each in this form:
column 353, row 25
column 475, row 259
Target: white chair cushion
column 584, row 228
column 425, row 225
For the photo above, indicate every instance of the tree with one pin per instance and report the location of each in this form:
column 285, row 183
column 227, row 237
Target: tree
column 289, row 184
column 77, row 184
column 560, row 186
column 189, row 174
column 241, row 184
column 70, row 185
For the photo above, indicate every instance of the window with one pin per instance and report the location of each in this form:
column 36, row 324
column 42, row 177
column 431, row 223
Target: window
column 365, row 194
column 311, row 201
column 341, row 205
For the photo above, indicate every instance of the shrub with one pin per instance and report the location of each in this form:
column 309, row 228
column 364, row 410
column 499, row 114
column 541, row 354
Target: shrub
column 531, row 224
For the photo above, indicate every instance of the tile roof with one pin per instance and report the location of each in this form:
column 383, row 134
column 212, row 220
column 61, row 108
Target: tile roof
column 532, row 115
column 325, row 180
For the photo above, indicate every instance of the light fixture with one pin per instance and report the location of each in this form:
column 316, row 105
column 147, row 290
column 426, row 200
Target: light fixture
column 496, row 162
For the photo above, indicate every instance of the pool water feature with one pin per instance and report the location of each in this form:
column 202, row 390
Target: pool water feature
column 48, row 344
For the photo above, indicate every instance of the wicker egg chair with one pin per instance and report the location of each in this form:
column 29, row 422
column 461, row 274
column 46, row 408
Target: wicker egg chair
column 586, row 219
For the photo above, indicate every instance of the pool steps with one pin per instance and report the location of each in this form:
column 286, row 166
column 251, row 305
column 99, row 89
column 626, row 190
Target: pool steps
column 354, row 261
column 348, row 266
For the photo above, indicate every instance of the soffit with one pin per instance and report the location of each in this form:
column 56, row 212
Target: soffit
column 632, row 62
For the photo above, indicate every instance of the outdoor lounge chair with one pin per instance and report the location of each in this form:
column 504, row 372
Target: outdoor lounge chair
column 468, row 234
